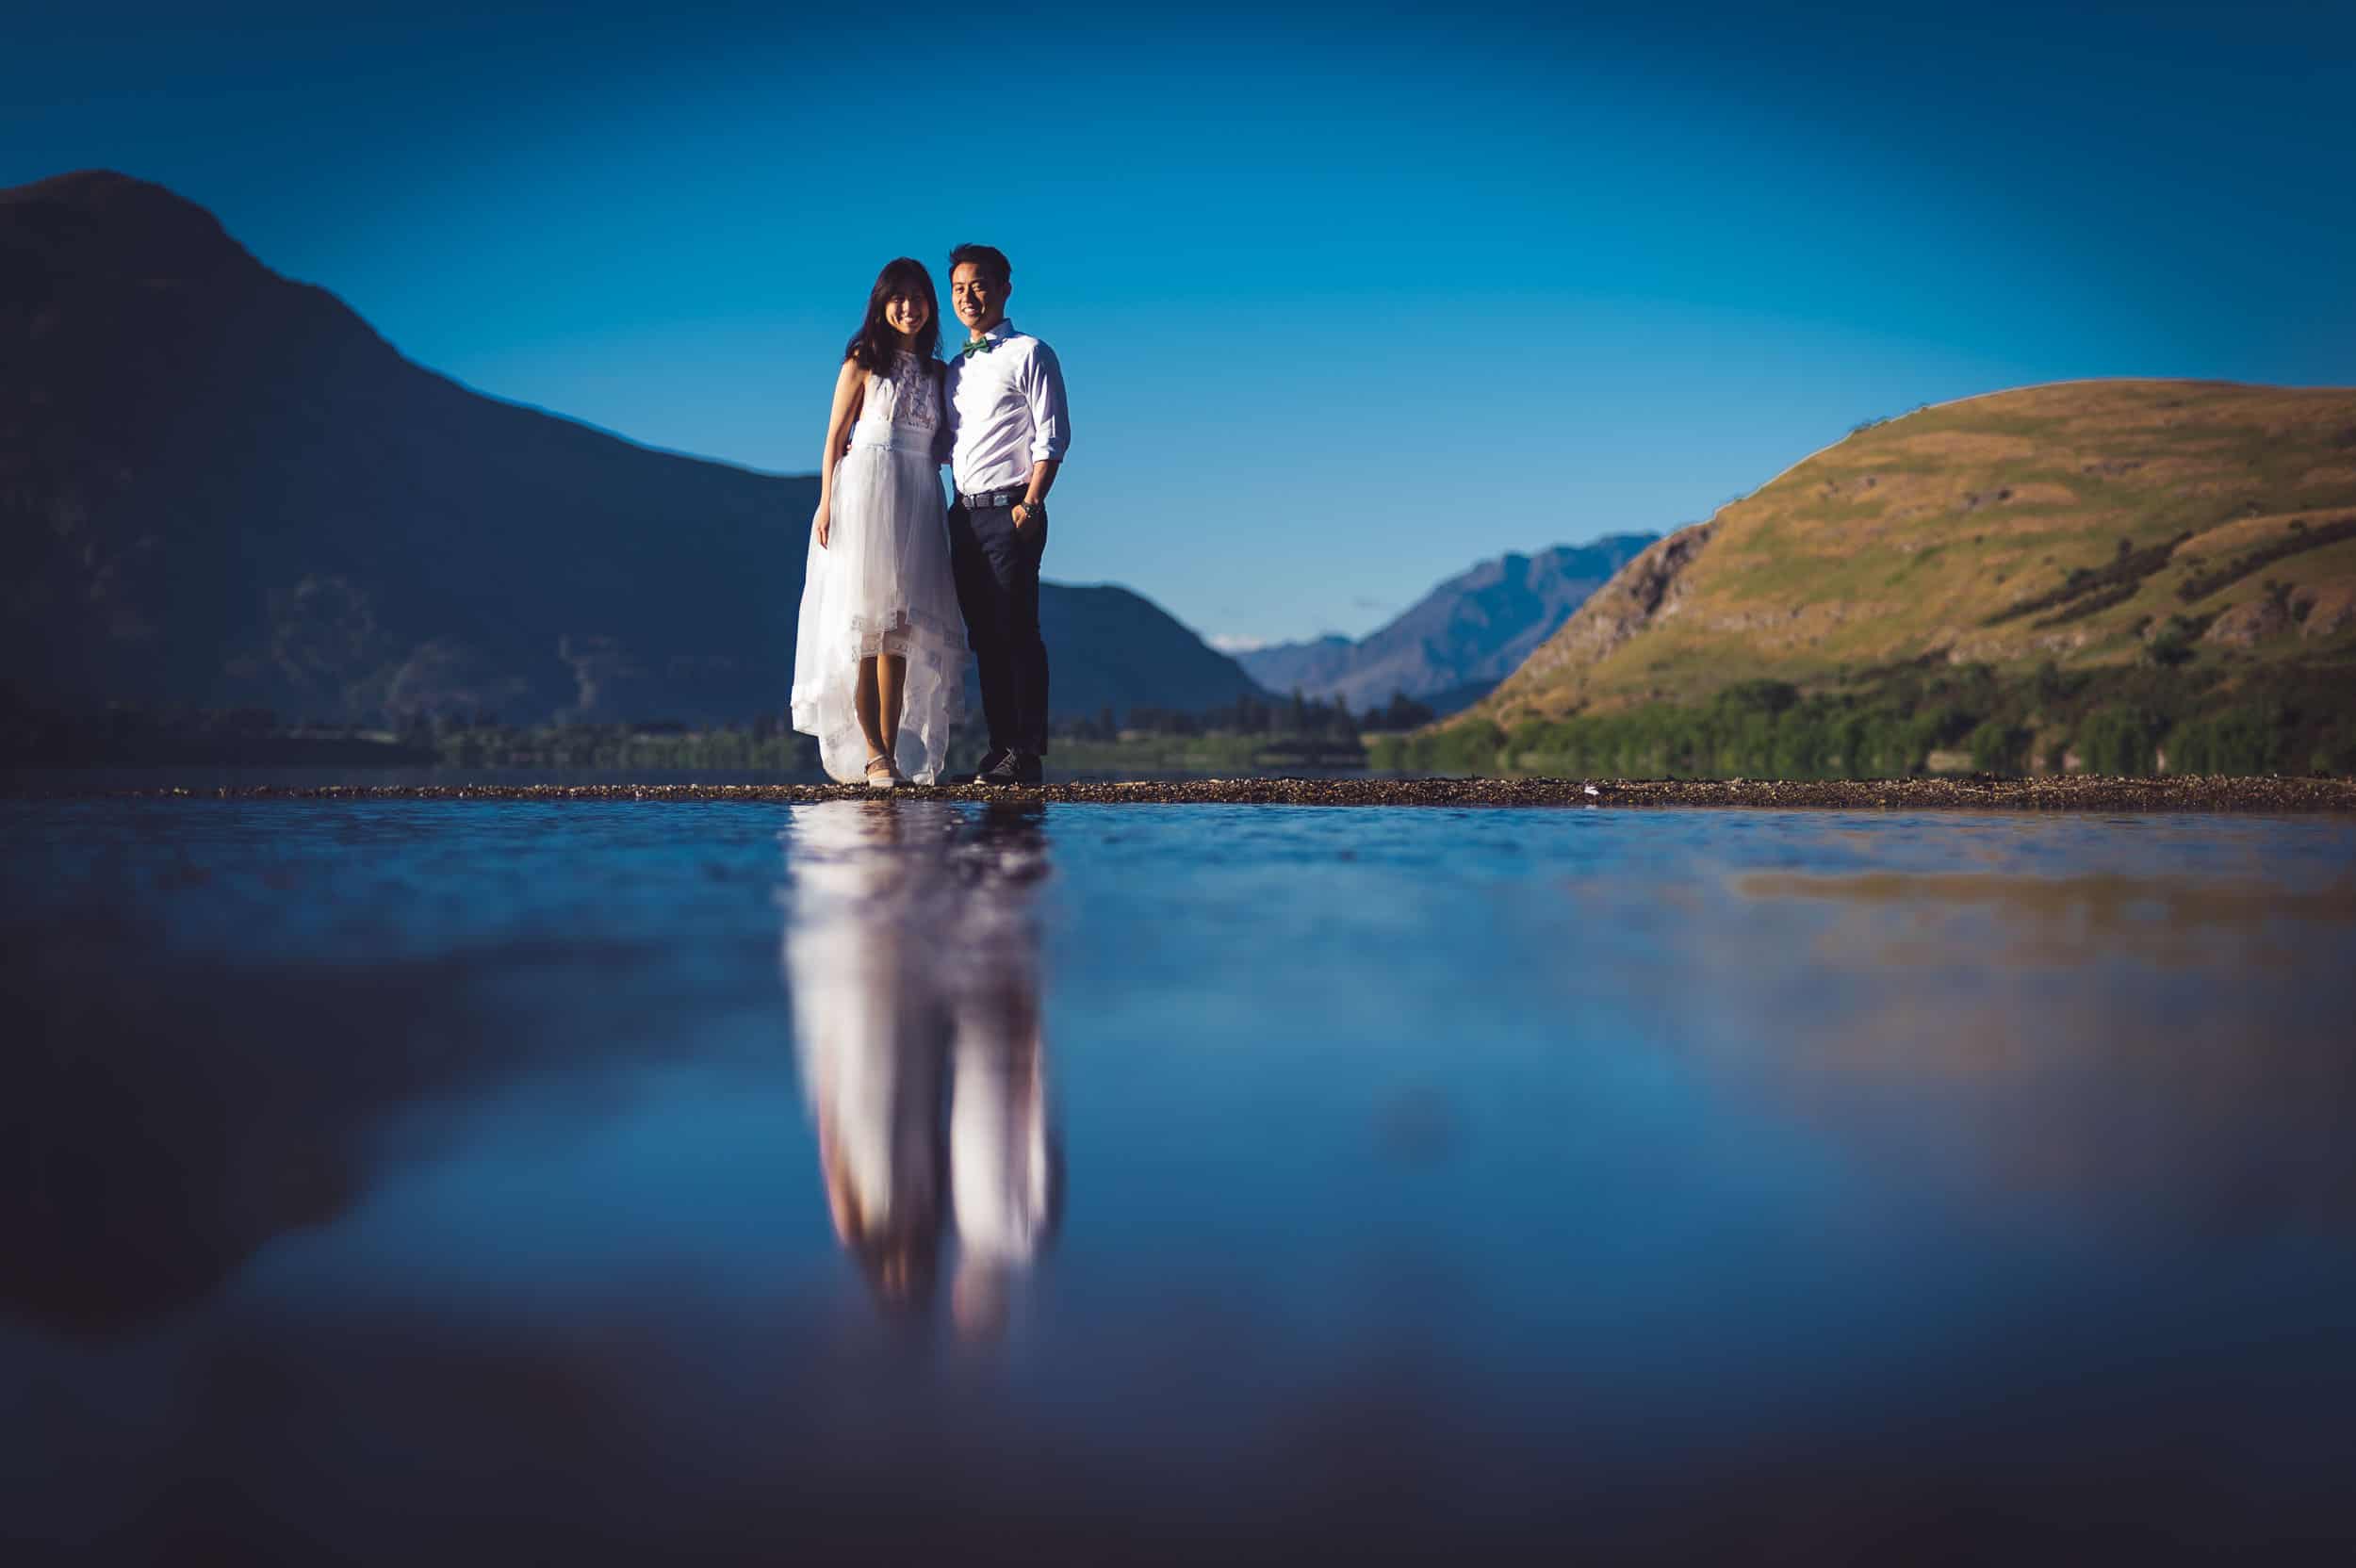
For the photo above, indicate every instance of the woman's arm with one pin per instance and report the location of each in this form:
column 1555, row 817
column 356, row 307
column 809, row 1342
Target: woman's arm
column 850, row 390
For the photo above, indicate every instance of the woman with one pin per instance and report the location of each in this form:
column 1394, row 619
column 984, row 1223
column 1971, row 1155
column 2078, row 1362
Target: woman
column 868, row 888
column 879, row 664
column 912, row 962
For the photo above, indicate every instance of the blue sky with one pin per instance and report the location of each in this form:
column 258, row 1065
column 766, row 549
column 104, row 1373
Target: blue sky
column 1347, row 300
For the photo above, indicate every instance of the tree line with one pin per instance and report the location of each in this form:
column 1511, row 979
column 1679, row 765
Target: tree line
column 1299, row 717
column 2139, row 721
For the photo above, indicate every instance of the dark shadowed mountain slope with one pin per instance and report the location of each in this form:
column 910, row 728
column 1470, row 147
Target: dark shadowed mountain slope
column 219, row 488
column 1457, row 641
column 1110, row 648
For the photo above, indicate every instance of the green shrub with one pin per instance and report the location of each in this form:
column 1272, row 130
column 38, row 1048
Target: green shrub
column 2119, row 740
column 1803, row 746
column 1476, row 746
column 2335, row 752
column 1530, row 735
column 1999, row 747
column 2242, row 739
column 1768, row 697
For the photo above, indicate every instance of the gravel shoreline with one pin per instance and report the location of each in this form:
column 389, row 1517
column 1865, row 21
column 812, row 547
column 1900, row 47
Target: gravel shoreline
column 2076, row 792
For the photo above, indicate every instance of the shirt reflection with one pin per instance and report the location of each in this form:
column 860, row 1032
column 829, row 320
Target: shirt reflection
column 912, row 956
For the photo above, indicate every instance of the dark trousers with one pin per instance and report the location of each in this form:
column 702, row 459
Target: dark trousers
column 997, row 571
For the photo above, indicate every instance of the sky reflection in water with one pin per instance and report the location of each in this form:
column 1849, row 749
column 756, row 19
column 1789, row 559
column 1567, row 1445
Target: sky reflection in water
column 388, row 1178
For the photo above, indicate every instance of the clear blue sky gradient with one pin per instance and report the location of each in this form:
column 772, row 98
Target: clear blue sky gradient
column 1347, row 300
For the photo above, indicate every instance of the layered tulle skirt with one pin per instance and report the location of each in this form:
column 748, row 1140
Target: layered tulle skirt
column 880, row 587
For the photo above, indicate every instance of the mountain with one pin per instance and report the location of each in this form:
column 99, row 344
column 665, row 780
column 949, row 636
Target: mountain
column 220, row 489
column 1312, row 668
column 2088, row 525
column 1457, row 641
column 1110, row 647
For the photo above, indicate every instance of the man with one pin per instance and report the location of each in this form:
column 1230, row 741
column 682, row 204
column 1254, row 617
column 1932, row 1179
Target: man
column 1009, row 430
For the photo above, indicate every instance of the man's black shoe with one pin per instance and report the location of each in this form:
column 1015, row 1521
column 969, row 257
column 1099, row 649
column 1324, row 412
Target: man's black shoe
column 996, row 763
column 1026, row 768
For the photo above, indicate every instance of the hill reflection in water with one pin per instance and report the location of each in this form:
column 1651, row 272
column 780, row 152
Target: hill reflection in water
column 390, row 1179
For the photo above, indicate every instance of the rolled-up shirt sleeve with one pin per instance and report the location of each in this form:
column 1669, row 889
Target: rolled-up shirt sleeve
column 1051, row 422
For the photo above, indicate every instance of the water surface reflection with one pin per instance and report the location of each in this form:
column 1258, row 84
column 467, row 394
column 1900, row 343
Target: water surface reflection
column 389, row 1182
column 912, row 956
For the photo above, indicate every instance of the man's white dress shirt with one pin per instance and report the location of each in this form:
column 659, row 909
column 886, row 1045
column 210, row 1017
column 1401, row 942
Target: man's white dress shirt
column 1007, row 404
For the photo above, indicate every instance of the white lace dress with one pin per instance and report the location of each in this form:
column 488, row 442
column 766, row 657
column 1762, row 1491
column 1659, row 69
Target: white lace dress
column 882, row 584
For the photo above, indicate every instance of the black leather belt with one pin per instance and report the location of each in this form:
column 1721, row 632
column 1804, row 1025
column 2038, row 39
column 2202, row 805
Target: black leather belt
column 982, row 500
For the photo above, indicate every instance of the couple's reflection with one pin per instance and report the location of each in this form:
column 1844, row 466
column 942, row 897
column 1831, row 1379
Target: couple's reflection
column 912, row 954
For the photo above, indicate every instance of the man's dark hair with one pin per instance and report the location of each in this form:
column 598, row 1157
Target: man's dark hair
column 990, row 260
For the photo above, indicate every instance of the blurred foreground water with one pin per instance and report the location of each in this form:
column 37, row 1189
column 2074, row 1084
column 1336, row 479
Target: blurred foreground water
column 622, row 1183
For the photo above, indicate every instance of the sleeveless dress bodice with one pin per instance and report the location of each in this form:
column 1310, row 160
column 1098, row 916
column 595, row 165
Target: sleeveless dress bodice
column 901, row 410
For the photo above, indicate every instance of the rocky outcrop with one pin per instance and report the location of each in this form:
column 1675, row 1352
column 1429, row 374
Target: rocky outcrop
column 1649, row 589
column 2325, row 609
column 2247, row 624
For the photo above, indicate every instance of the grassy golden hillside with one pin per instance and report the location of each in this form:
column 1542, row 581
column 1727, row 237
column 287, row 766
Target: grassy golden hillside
column 2076, row 526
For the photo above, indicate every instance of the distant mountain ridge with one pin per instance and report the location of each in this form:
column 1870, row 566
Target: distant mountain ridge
column 1458, row 640
column 219, row 488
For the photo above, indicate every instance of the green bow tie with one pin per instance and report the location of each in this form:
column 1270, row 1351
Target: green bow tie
column 978, row 345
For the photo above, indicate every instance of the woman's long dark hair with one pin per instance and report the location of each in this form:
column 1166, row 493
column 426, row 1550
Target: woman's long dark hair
column 871, row 347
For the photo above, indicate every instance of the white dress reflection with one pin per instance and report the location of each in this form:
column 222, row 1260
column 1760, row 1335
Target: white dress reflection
column 912, row 954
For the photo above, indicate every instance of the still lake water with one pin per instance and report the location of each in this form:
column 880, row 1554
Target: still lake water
column 615, row 1182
